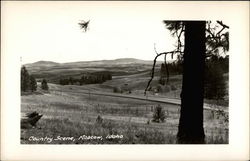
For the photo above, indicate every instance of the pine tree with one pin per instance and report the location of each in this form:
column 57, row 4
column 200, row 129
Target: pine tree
column 25, row 79
column 200, row 41
column 33, row 83
column 190, row 130
column 45, row 85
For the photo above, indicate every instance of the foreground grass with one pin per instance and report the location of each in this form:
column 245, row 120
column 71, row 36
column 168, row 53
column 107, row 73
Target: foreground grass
column 87, row 133
column 71, row 118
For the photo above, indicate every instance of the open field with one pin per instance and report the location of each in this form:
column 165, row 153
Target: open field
column 96, row 114
column 70, row 117
column 127, row 73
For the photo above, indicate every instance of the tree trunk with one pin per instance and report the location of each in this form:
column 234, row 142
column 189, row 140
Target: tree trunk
column 191, row 118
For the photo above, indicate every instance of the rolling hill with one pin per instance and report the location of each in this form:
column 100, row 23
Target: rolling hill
column 42, row 64
column 53, row 71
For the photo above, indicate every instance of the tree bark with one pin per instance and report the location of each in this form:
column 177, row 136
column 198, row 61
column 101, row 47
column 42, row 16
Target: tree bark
column 190, row 130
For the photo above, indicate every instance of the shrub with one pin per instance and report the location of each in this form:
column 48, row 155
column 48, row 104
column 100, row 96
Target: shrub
column 159, row 88
column 117, row 90
column 63, row 81
column 99, row 119
column 159, row 114
column 162, row 81
column 223, row 114
column 173, row 88
column 162, row 89
column 44, row 85
column 167, row 88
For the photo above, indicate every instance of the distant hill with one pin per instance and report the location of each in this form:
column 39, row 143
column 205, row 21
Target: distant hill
column 42, row 63
column 120, row 61
column 132, row 60
column 53, row 71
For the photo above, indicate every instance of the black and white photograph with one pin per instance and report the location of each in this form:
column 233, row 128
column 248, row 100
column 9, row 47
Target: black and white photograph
column 129, row 100
column 119, row 73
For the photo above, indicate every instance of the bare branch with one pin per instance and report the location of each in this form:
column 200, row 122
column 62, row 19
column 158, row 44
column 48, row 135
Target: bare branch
column 153, row 68
column 152, row 73
column 222, row 24
column 179, row 44
column 223, row 27
column 178, row 50
column 215, row 39
column 155, row 49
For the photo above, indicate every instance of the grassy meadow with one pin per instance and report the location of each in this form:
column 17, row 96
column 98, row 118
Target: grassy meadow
column 72, row 116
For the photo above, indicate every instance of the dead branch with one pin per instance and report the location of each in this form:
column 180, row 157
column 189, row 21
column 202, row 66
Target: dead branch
column 222, row 24
column 178, row 50
column 153, row 68
column 216, row 36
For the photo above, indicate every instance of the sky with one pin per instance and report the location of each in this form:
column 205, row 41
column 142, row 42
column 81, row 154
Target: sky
column 49, row 31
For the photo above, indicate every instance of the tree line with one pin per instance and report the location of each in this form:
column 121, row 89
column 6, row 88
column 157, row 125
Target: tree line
column 175, row 67
column 89, row 78
column 29, row 83
column 214, row 82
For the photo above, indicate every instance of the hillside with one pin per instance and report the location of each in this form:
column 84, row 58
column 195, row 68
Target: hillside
column 42, row 64
column 119, row 67
column 121, row 61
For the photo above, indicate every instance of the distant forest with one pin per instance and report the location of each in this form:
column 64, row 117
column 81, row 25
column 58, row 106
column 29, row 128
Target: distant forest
column 89, row 78
column 214, row 61
column 215, row 82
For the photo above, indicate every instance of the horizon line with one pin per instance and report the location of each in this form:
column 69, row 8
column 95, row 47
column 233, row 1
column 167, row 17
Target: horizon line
column 90, row 60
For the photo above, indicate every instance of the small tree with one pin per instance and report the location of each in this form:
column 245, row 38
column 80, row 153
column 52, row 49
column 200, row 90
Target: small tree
column 45, row 85
column 33, row 84
column 159, row 114
column 25, row 79
column 117, row 90
column 99, row 119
